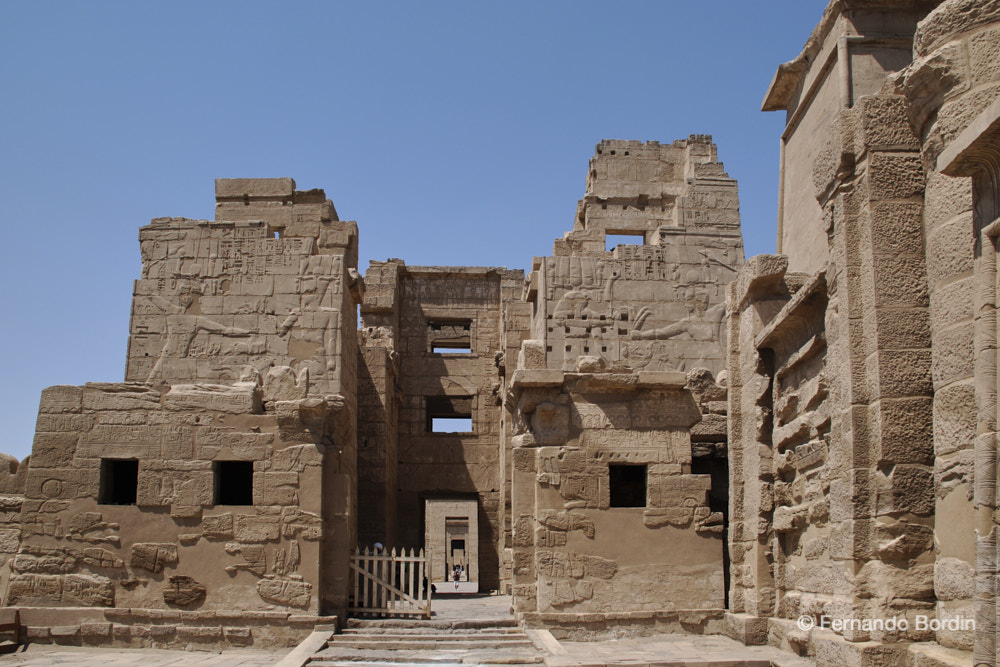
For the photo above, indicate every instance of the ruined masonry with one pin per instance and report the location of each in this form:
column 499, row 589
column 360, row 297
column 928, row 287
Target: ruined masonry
column 646, row 433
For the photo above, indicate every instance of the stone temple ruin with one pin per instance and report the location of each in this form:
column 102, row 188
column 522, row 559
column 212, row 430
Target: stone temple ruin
column 663, row 437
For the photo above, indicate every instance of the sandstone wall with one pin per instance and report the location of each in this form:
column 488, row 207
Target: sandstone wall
column 12, row 479
column 611, row 525
column 265, row 284
column 654, row 306
column 220, row 478
column 847, row 57
column 951, row 87
column 444, row 325
column 378, row 406
column 856, row 496
column 175, row 544
column 516, row 329
column 831, row 408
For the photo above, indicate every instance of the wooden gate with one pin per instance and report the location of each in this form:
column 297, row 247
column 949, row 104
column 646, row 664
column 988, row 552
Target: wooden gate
column 390, row 584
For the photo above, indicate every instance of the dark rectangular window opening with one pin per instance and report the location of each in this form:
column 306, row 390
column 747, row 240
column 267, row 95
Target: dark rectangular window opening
column 119, row 481
column 613, row 240
column 449, row 414
column 233, row 482
column 627, row 484
column 450, row 336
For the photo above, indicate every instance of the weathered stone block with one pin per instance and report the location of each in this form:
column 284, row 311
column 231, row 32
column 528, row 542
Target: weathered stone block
column 95, row 632
column 120, row 396
column 238, row 636
column 217, row 527
column 904, row 430
column 153, row 556
column 954, row 579
column 183, row 591
column 241, row 398
column 256, row 528
column 950, row 251
column 884, row 123
column 202, row 635
column 747, row 629
column 954, row 418
column 297, row 457
column 895, row 176
column 61, row 399
column 53, row 450
column 276, row 488
column 236, row 188
column 286, row 592
column 953, row 354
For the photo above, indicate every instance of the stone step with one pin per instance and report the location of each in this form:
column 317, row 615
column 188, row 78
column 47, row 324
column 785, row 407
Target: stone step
column 431, row 635
column 430, row 630
column 426, row 645
column 412, row 662
column 442, row 658
column 430, row 623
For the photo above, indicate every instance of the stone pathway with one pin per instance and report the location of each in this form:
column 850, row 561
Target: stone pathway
column 480, row 630
column 45, row 655
column 676, row 650
column 465, row 631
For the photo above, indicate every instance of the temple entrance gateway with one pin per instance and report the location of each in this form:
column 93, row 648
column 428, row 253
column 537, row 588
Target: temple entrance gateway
column 451, row 538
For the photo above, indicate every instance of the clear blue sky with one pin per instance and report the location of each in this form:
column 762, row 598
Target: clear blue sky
column 453, row 132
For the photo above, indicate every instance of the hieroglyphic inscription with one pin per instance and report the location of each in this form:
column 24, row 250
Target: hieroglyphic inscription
column 656, row 445
column 642, row 413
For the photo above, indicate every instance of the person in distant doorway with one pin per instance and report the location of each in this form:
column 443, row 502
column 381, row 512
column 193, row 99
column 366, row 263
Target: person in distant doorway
column 456, row 574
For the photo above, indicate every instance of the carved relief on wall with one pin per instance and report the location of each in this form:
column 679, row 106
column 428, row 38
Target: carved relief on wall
column 218, row 299
column 651, row 308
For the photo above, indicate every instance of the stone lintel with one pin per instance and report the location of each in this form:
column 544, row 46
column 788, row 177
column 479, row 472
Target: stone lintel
column 783, row 85
column 524, row 378
column 530, row 293
column 975, row 147
column 760, row 273
column 432, row 271
column 787, row 316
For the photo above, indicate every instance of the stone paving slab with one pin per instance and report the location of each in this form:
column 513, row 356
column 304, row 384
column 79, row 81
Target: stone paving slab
column 471, row 607
column 46, row 655
column 674, row 650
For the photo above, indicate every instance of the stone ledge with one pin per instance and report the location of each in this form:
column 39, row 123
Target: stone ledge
column 168, row 628
column 595, row 626
column 927, row 654
column 786, row 317
column 237, row 188
column 833, row 649
column 536, row 378
column 971, row 150
column 747, row 629
column 761, row 273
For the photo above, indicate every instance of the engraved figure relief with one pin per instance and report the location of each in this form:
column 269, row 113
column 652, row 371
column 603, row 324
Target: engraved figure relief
column 313, row 331
column 183, row 323
column 701, row 324
column 583, row 303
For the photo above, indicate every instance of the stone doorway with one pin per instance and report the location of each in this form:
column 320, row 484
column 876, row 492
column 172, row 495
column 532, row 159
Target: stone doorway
column 451, row 539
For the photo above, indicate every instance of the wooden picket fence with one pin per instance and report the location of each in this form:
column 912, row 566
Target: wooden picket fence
column 390, row 583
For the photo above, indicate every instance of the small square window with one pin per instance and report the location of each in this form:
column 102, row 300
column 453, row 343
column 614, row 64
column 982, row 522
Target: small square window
column 612, row 240
column 449, row 414
column 450, row 337
column 233, row 482
column 627, row 484
column 119, row 481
